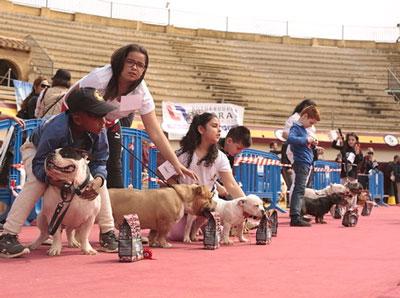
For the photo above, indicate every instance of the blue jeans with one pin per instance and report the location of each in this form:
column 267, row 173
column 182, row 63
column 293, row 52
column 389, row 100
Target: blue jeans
column 299, row 189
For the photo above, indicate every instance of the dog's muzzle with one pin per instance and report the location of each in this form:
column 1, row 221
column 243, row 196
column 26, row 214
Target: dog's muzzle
column 206, row 212
column 50, row 165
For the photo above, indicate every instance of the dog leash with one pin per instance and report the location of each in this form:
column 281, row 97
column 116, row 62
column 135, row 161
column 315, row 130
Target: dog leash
column 65, row 189
column 148, row 168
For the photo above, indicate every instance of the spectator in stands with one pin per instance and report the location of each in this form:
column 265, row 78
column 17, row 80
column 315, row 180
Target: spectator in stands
column 302, row 147
column 237, row 139
column 80, row 127
column 351, row 156
column 390, row 178
column 396, row 172
column 49, row 101
column 28, row 106
column 122, row 84
column 368, row 163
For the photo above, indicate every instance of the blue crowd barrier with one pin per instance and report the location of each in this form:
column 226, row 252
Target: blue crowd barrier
column 131, row 174
column 132, row 167
column 376, row 186
column 19, row 136
column 5, row 194
column 260, row 179
column 325, row 173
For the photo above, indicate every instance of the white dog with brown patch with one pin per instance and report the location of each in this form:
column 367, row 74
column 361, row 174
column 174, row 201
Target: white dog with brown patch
column 233, row 213
column 70, row 167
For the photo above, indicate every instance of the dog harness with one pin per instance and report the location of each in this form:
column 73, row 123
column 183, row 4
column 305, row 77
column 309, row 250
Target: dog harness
column 65, row 189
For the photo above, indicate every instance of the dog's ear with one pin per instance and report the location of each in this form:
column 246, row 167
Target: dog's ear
column 85, row 154
column 241, row 202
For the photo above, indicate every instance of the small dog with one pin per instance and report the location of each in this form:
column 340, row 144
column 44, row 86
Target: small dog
column 318, row 207
column 159, row 209
column 232, row 213
column 327, row 191
column 70, row 166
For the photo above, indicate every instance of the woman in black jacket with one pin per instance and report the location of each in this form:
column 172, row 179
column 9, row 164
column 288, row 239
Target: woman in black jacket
column 28, row 106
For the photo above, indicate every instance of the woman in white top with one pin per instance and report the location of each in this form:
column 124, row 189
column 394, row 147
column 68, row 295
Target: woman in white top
column 122, row 84
column 199, row 152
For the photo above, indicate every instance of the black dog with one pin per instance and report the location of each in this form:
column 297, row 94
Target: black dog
column 318, row 207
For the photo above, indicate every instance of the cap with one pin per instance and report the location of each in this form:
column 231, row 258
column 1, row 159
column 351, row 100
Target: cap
column 62, row 74
column 88, row 100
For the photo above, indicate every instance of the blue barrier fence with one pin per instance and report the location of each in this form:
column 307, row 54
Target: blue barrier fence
column 132, row 168
column 260, row 174
column 376, row 186
column 325, row 173
column 260, row 177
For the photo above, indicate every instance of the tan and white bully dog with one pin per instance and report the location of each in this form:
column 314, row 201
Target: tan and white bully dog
column 233, row 213
column 69, row 166
column 159, row 209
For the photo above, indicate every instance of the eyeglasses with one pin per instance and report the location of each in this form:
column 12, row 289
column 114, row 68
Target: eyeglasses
column 132, row 63
column 44, row 86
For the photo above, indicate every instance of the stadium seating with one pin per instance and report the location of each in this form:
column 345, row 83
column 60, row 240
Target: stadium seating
column 268, row 79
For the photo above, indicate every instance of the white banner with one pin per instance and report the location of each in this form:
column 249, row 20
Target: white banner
column 178, row 116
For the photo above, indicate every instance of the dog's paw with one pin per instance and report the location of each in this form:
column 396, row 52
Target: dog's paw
column 33, row 245
column 54, row 251
column 154, row 244
column 187, row 240
column 166, row 245
column 90, row 251
column 228, row 242
column 74, row 243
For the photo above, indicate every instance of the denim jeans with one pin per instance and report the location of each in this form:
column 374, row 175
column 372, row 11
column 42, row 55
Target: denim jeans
column 299, row 189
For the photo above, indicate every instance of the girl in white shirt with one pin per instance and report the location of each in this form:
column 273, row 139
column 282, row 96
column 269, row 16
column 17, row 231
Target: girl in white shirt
column 122, row 85
column 199, row 153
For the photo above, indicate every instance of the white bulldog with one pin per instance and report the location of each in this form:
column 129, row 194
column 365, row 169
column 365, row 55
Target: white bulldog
column 233, row 213
column 70, row 166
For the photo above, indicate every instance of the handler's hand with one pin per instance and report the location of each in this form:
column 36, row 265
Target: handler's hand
column 221, row 190
column 182, row 171
column 92, row 189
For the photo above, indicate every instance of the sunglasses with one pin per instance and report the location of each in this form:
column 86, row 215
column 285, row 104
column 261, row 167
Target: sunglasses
column 44, row 86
